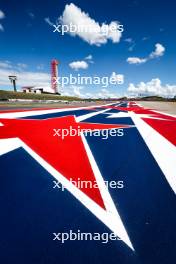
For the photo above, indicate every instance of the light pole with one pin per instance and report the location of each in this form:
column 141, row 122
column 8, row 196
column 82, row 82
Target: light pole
column 13, row 79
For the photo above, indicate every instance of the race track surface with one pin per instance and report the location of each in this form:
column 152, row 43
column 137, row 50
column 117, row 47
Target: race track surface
column 107, row 169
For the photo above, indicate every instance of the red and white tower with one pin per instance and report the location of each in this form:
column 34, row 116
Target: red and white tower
column 54, row 75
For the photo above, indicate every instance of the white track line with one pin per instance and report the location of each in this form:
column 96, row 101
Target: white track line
column 162, row 150
column 86, row 116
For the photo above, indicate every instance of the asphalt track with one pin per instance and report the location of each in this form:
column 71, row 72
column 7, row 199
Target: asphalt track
column 142, row 214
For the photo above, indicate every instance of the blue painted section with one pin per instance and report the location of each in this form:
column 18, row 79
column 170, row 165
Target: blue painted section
column 114, row 111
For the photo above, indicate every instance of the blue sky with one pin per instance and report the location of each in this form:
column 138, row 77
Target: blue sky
column 27, row 45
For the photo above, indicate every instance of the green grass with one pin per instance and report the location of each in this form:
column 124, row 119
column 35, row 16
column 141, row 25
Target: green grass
column 5, row 95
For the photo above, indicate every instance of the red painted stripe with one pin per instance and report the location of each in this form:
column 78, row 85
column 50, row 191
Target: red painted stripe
column 68, row 156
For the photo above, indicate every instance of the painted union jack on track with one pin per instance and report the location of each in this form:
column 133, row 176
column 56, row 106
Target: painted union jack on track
column 141, row 215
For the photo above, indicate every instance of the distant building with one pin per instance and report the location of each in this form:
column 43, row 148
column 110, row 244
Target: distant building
column 37, row 89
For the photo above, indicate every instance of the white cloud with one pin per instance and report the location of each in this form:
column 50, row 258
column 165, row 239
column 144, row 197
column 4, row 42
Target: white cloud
column 73, row 90
column 97, row 35
column 31, row 15
column 136, row 60
column 105, row 93
column 129, row 40
column 145, row 38
column 77, row 91
column 2, row 15
column 131, row 48
column 1, row 28
column 82, row 92
column 158, row 52
column 48, row 21
column 24, row 78
column 76, row 65
column 89, row 57
column 5, row 64
column 40, row 67
column 8, row 65
column 21, row 66
column 152, row 88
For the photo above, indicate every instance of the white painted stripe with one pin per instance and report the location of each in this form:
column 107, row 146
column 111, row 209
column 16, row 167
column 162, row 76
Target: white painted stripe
column 7, row 145
column 118, row 115
column 159, row 112
column 162, row 150
column 86, row 116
